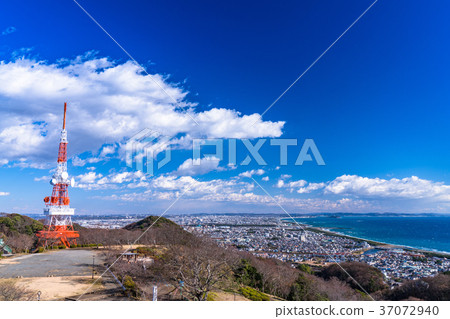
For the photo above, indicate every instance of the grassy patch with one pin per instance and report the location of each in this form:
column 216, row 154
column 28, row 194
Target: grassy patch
column 253, row 294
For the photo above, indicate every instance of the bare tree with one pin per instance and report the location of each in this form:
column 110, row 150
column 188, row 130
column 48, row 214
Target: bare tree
column 9, row 291
column 337, row 290
column 369, row 277
column 276, row 277
column 20, row 242
column 432, row 288
column 200, row 267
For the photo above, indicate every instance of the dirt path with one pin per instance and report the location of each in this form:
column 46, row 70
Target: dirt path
column 57, row 288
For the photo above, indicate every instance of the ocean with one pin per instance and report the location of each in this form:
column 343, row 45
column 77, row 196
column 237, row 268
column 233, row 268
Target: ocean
column 428, row 233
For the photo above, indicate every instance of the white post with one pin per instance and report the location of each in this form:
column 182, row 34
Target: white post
column 155, row 293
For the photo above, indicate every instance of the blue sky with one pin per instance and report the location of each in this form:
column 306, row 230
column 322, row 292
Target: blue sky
column 376, row 105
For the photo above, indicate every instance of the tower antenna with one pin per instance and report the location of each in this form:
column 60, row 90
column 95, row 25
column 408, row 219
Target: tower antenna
column 64, row 120
column 59, row 228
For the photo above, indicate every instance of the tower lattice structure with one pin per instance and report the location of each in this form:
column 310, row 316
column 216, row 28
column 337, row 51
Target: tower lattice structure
column 59, row 228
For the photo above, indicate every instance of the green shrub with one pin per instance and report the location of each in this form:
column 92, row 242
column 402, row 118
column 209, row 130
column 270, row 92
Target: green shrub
column 211, row 297
column 304, row 268
column 253, row 294
column 8, row 222
column 130, row 286
column 128, row 282
column 146, row 251
column 247, row 275
column 305, row 289
column 355, row 274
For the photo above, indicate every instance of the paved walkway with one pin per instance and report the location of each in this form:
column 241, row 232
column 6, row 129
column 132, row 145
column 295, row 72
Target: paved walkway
column 67, row 262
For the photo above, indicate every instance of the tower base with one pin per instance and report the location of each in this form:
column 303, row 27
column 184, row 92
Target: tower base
column 59, row 230
column 56, row 238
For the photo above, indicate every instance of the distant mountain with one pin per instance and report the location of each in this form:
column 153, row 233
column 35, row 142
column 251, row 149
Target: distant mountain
column 148, row 221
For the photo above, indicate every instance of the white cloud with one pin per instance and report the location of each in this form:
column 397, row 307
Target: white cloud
column 265, row 178
column 88, row 178
column 194, row 186
column 236, row 190
column 42, row 179
column 76, row 161
column 357, row 186
column 108, row 102
column 409, row 187
column 198, row 166
column 311, row 187
column 290, row 185
column 120, row 178
column 280, row 183
column 21, row 140
column 249, row 174
column 93, row 180
column 4, row 193
column 103, row 155
column 347, row 193
column 169, row 187
column 9, row 30
column 107, row 150
column 299, row 183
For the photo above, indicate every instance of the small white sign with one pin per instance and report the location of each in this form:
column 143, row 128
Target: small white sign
column 155, row 293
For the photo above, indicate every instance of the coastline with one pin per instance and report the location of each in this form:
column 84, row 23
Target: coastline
column 376, row 244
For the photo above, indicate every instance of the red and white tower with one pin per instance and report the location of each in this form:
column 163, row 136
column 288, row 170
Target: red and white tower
column 59, row 227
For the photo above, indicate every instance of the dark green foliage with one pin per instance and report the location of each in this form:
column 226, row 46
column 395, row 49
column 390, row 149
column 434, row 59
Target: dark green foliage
column 11, row 224
column 130, row 286
column 253, row 294
column 370, row 278
column 247, row 275
column 299, row 290
column 146, row 251
column 18, row 231
column 156, row 221
column 304, row 289
column 304, row 268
